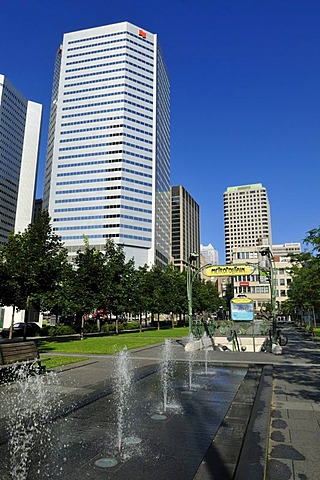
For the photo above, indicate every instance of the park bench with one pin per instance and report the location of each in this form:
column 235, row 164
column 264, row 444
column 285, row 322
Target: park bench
column 16, row 354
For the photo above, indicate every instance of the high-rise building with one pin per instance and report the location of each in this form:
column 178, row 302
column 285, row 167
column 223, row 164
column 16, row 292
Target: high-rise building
column 185, row 228
column 108, row 159
column 210, row 254
column 246, row 218
column 20, row 122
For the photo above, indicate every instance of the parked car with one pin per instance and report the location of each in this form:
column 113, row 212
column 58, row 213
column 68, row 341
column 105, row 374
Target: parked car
column 33, row 329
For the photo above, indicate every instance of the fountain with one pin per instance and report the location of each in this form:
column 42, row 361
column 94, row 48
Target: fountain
column 191, row 356
column 93, row 429
column 123, row 382
column 206, row 361
column 166, row 371
column 29, row 405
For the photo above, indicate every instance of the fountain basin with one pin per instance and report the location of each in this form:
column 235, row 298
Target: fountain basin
column 249, row 343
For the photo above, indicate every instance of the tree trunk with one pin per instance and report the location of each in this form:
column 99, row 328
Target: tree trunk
column 12, row 322
column 314, row 317
column 26, row 317
column 82, row 327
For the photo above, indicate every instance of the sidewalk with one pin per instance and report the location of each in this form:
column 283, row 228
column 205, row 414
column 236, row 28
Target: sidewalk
column 287, row 413
column 294, row 447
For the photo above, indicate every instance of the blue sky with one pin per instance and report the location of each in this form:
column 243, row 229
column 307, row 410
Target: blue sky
column 245, row 93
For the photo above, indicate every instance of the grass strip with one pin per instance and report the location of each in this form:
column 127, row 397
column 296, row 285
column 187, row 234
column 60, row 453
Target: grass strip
column 111, row 344
column 55, row 362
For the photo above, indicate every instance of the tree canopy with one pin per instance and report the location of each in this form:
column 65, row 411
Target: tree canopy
column 304, row 292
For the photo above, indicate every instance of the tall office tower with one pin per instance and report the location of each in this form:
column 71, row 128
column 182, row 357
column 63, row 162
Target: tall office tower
column 185, row 228
column 246, row 218
column 20, row 122
column 108, row 160
column 210, row 254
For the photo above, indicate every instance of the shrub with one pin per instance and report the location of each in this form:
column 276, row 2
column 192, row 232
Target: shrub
column 111, row 327
column 264, row 328
column 131, row 325
column 222, row 327
column 58, row 330
column 89, row 328
column 316, row 332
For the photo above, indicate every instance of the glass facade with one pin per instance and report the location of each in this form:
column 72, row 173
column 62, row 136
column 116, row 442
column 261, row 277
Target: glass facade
column 19, row 140
column 109, row 133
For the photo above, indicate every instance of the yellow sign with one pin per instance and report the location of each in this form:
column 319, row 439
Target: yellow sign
column 241, row 300
column 228, row 270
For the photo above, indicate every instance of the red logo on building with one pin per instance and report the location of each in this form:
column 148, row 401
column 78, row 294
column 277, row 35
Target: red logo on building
column 142, row 34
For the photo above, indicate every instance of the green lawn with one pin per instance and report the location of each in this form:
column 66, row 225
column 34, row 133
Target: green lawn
column 58, row 361
column 112, row 344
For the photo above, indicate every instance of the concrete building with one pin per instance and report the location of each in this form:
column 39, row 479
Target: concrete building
column 108, row 159
column 20, row 123
column 246, row 218
column 281, row 254
column 185, row 228
column 283, row 250
column 257, row 285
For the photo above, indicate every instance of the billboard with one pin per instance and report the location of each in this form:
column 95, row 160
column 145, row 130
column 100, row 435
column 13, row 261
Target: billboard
column 242, row 309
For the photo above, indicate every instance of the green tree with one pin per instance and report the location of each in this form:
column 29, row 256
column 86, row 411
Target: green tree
column 155, row 292
column 304, row 292
column 32, row 263
column 117, row 291
column 86, row 281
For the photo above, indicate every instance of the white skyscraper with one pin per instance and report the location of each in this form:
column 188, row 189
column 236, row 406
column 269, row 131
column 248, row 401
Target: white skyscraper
column 20, row 122
column 210, row 254
column 246, row 217
column 108, row 159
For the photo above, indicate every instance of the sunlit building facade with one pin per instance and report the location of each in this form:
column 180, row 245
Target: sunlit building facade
column 20, row 124
column 108, row 153
column 185, row 228
column 247, row 221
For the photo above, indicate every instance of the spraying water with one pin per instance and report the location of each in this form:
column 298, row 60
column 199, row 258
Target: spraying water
column 123, row 383
column 206, row 361
column 166, row 371
column 191, row 360
column 30, row 405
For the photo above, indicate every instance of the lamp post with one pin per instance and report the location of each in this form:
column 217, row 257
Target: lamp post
column 266, row 252
column 192, row 257
column 197, row 328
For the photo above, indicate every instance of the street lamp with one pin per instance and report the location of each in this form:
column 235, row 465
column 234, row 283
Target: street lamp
column 199, row 327
column 266, row 252
column 192, row 257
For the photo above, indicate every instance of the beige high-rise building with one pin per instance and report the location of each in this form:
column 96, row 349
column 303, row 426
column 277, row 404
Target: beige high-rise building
column 246, row 218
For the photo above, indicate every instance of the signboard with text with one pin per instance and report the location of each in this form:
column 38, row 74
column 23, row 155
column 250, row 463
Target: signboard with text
column 242, row 309
column 228, row 270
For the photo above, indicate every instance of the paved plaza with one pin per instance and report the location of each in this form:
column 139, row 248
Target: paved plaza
column 227, row 415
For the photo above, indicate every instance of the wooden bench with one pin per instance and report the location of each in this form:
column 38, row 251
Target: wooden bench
column 15, row 354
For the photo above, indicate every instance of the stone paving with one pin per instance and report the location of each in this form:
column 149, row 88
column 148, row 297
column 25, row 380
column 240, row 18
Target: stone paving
column 294, row 441
column 257, row 417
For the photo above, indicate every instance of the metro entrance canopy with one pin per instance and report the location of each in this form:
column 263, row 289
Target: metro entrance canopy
column 228, row 270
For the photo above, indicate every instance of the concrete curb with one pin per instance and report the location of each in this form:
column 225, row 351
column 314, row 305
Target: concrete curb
column 253, row 458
